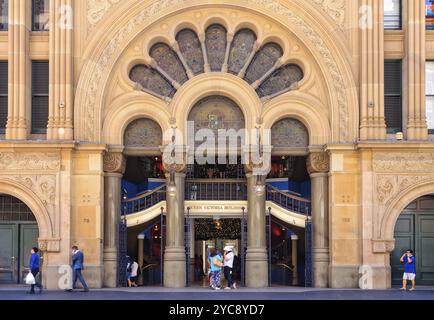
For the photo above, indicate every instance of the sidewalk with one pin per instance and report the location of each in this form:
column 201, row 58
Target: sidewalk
column 197, row 293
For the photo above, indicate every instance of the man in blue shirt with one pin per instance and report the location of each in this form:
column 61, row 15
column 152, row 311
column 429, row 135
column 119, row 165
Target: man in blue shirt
column 77, row 267
column 409, row 270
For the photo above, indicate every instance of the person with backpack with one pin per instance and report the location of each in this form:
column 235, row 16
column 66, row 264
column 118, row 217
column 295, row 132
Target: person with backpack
column 216, row 263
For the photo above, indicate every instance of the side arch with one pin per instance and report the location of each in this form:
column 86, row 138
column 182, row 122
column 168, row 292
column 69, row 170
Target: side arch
column 401, row 201
column 130, row 107
column 303, row 108
column 15, row 189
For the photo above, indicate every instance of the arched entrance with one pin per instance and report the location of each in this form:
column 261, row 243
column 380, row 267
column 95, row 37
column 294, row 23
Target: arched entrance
column 18, row 234
column 415, row 230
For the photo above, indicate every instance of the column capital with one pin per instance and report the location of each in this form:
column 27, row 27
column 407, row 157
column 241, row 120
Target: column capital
column 318, row 162
column 114, row 162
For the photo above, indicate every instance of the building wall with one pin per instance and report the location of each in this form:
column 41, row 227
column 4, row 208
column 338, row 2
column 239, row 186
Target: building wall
column 372, row 176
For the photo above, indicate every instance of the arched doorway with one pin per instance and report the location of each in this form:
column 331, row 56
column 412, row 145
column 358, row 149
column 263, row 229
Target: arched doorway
column 415, row 230
column 18, row 234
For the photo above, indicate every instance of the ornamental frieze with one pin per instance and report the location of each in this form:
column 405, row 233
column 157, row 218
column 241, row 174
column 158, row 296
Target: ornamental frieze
column 335, row 9
column 408, row 162
column 390, row 186
column 97, row 9
column 29, row 161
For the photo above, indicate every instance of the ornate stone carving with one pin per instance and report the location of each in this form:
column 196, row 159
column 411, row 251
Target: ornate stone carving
column 390, row 186
column 29, row 161
column 96, row 10
column 335, row 9
column 49, row 245
column 44, row 186
column 144, row 133
column 383, row 245
column 100, row 66
column 114, row 162
column 318, row 163
column 403, row 162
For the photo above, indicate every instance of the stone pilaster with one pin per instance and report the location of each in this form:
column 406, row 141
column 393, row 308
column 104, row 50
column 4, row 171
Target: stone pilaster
column 318, row 165
column 60, row 123
column 18, row 123
column 114, row 168
column 174, row 253
column 417, row 128
column 373, row 125
column 256, row 256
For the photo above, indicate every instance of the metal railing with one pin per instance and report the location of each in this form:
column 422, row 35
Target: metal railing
column 216, row 189
column 288, row 201
column 144, row 201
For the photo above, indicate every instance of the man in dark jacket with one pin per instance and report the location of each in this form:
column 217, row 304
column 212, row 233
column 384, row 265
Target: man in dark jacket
column 77, row 267
column 34, row 269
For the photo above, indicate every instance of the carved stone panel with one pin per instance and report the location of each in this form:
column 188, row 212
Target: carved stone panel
column 168, row 60
column 264, row 60
column 216, row 42
column 281, row 80
column 29, row 161
column 191, row 50
column 318, row 163
column 289, row 133
column 151, row 81
column 144, row 133
column 241, row 49
column 114, row 162
column 403, row 162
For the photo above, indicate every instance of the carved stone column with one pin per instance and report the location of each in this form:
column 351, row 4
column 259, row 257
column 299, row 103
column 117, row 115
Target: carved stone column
column 256, row 256
column 373, row 125
column 294, row 258
column 174, row 253
column 318, row 166
column 114, row 168
column 60, row 124
column 415, row 62
column 18, row 123
column 140, row 255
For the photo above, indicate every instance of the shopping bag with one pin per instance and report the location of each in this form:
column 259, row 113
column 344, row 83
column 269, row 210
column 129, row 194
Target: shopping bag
column 30, row 279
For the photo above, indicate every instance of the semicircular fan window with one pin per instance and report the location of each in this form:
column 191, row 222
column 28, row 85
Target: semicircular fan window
column 239, row 55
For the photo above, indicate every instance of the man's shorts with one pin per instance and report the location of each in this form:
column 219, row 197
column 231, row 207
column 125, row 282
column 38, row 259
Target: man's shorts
column 409, row 276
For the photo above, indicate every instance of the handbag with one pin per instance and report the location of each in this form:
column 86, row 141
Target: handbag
column 30, row 279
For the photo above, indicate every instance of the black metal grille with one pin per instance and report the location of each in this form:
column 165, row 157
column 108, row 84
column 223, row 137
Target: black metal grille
column 40, row 84
column 393, row 95
column 3, row 94
column 12, row 209
column 122, row 254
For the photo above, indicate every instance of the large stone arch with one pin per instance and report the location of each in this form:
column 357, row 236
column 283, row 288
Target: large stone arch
column 38, row 209
column 304, row 21
column 401, row 201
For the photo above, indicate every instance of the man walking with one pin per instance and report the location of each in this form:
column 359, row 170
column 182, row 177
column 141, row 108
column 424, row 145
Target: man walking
column 409, row 270
column 77, row 267
column 228, row 267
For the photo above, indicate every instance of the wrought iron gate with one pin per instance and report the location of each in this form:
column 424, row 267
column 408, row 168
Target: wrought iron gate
column 308, row 253
column 188, row 241
column 243, row 249
column 162, row 245
column 122, row 254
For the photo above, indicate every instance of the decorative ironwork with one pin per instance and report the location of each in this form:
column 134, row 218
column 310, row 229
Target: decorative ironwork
column 264, row 60
column 243, row 248
column 308, row 253
column 151, row 81
column 225, row 189
column 188, row 242
column 144, row 201
column 289, row 133
column 144, row 133
column 281, row 80
column 122, row 254
column 191, row 49
column 168, row 60
column 288, row 201
column 162, row 245
column 241, row 49
column 216, row 42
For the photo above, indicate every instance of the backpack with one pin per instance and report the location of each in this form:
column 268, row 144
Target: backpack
column 217, row 262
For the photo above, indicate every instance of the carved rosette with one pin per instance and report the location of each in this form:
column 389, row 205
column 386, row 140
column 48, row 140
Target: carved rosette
column 318, row 162
column 115, row 162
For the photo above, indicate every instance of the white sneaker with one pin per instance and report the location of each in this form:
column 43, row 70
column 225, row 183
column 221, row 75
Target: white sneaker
column 217, row 288
column 234, row 286
column 227, row 288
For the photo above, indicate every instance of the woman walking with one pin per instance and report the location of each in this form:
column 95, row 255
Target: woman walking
column 216, row 263
column 34, row 269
